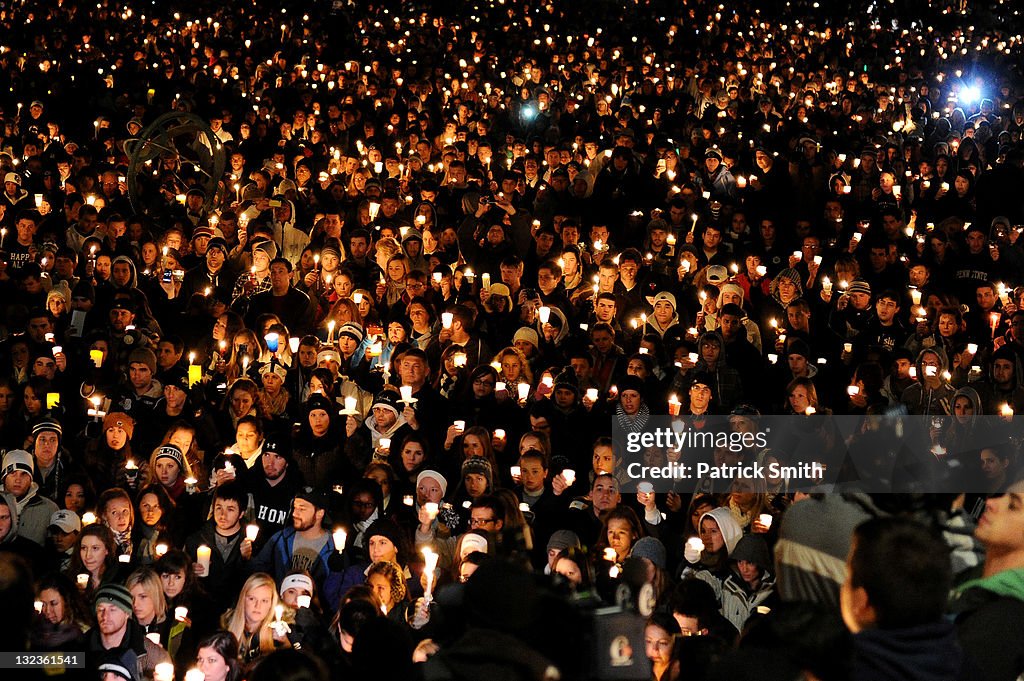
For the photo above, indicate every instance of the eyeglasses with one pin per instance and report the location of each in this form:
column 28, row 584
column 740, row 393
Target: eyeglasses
column 483, row 383
column 476, row 522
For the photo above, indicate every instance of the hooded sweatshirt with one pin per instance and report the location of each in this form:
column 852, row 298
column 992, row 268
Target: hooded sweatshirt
column 923, row 400
column 34, row 512
column 928, row 652
column 988, row 615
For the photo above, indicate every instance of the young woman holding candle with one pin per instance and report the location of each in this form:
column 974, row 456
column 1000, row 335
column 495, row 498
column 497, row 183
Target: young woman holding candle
column 95, row 557
column 387, row 580
column 65, row 618
column 155, row 511
column 182, row 589
column 251, row 619
column 152, row 613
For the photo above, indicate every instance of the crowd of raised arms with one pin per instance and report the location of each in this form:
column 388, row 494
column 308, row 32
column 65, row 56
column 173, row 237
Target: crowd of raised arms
column 345, row 409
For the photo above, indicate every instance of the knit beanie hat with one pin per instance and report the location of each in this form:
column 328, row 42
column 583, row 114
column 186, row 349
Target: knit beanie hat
column 116, row 595
column 118, row 419
column 143, row 356
column 651, row 549
column 433, row 475
column 170, row 451
column 17, row 460
column 480, row 466
column 527, row 334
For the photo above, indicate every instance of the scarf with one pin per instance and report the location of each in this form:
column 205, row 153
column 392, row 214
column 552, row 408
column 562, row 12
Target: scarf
column 633, row 424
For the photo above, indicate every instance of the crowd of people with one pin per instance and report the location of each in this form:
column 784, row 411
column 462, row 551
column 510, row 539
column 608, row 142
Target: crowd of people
column 347, row 409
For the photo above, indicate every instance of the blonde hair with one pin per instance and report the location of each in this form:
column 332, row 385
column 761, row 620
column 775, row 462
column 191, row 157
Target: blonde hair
column 184, row 470
column 393, row 573
column 148, row 579
column 234, row 620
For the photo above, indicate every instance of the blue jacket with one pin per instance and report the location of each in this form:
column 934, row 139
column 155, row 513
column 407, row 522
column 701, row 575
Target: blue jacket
column 275, row 558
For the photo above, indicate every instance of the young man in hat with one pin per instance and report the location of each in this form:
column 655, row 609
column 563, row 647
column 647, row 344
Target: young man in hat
column 52, row 462
column 140, row 396
column 117, row 634
column 386, row 421
column 210, row 274
column 272, row 492
column 34, row 510
column 257, row 279
column 63, row 532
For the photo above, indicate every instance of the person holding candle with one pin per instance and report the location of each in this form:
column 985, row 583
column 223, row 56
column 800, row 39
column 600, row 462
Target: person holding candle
column 293, row 307
column 34, row 510
column 65, row 616
column 932, row 394
column 1002, row 383
column 229, row 563
column 257, row 279
column 708, row 558
column 156, row 514
column 95, row 556
column 117, row 635
column 151, row 613
column 251, row 618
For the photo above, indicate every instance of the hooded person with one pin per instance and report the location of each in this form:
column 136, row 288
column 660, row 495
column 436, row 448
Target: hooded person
column 783, row 290
column 932, row 394
column 751, row 583
column 724, row 381
column 33, row 509
column 665, row 320
column 133, row 280
column 733, row 293
column 386, row 419
column 719, row 534
column 10, row 540
column 318, row 451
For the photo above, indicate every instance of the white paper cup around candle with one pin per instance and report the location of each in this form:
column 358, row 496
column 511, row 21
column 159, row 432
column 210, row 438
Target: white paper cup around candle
column 972, row 348
column 524, row 507
column 500, row 387
column 852, row 390
column 847, row 347
column 303, row 601
column 385, row 443
column 350, row 404
column 203, row 557
column 547, row 381
column 766, row 520
column 772, row 357
column 931, row 371
column 195, row 675
column 610, row 555
column 38, row 605
column 408, row 500
column 515, row 471
column 83, row 580
column 293, row 344
column 160, row 549
column 406, row 391
column 499, row 433
column 460, row 425
column 592, row 394
column 524, row 391
column 645, row 488
column 252, row 531
column 446, row 320
column 569, row 475
column 124, row 558
column 696, row 544
column 340, row 539
column 544, row 313
column 431, row 508
column 181, row 613
column 693, row 357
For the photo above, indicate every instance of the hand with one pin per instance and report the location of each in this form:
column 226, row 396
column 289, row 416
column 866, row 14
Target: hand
column 245, row 549
column 351, row 425
column 843, row 301
column 61, row 360
column 647, row 500
column 793, row 260
column 222, row 476
column 674, row 502
column 424, row 519
column 381, row 289
column 450, row 436
column 558, row 484
column 421, row 614
column 757, row 527
column 310, row 278
column 199, row 569
column 691, row 554
column 876, row 194
column 425, row 650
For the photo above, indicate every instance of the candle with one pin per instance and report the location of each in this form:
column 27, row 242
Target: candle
column 82, row 580
column 195, row 374
column 278, row 612
column 852, row 390
column 1006, row 410
column 330, row 331
column 97, row 357
column 544, row 313
column 460, row 425
column 695, row 544
column 674, row 405
column 809, row 411
column 252, row 530
column 272, row 340
column 431, row 509
column 524, row 391
column 592, row 394
column 194, row 675
column 499, row 433
column 609, row 555
column 446, row 320
column 430, row 564
column 408, row 500
column 515, row 470
column 88, row 518
column 915, row 296
column 180, row 613
column 160, row 549
column 203, row 557
column 486, row 279
column 340, row 539
column 124, row 558
column 766, row 520
column 847, row 347
column 406, row 391
column 163, row 672
column 569, row 475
